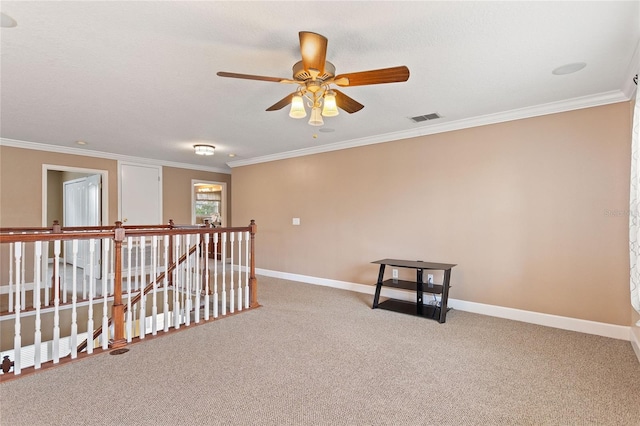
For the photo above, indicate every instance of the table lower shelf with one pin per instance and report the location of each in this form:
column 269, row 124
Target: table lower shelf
column 428, row 311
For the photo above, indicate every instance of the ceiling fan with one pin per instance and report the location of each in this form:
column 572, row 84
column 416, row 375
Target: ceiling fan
column 314, row 76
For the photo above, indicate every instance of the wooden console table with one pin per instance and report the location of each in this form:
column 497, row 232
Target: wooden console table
column 437, row 311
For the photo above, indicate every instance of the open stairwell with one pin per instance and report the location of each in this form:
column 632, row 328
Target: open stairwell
column 149, row 280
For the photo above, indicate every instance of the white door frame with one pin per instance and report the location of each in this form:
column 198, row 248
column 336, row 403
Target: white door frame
column 223, row 197
column 104, row 192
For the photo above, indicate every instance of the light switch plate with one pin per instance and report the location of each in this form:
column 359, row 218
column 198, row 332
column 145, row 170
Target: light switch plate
column 296, row 221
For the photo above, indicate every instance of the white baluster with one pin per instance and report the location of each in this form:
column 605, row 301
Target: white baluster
column 231, row 283
column 74, row 298
column 247, row 268
column 17, row 339
column 83, row 250
column 105, row 278
column 205, row 260
column 215, row 275
column 92, row 283
column 143, row 297
column 56, row 302
column 176, row 284
column 112, row 266
column 197, row 286
column 165, row 308
column 154, row 308
column 239, row 271
column 24, row 283
column 11, row 259
column 137, row 255
column 24, row 276
column 37, row 335
column 188, row 266
column 224, row 268
column 197, row 282
column 64, row 275
column 112, row 276
column 36, row 268
column 183, row 282
column 129, row 318
column 46, row 282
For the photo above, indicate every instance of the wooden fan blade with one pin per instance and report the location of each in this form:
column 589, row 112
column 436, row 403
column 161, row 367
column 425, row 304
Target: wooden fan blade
column 313, row 49
column 344, row 102
column 282, row 102
column 251, row 77
column 385, row 75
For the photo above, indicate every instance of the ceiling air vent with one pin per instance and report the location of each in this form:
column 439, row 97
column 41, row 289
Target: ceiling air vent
column 426, row 117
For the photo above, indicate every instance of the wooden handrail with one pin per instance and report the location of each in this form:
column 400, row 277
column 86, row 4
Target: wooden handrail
column 118, row 233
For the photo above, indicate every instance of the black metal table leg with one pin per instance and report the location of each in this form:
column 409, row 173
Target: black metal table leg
column 419, row 292
column 376, row 298
column 444, row 296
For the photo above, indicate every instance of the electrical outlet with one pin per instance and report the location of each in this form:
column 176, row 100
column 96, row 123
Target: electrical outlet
column 395, row 274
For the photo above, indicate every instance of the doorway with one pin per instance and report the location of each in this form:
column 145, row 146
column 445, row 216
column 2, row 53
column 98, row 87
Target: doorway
column 53, row 178
column 75, row 197
column 209, row 202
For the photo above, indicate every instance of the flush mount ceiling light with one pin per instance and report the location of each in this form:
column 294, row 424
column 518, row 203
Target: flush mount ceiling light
column 7, row 21
column 314, row 76
column 569, row 68
column 204, row 149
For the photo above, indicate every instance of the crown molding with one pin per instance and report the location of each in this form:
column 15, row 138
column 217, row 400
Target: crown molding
column 106, row 155
column 600, row 99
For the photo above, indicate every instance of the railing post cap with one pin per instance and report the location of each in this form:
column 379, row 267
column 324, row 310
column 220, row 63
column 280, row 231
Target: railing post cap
column 118, row 233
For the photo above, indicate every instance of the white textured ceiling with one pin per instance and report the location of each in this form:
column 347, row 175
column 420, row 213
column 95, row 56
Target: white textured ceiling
column 139, row 78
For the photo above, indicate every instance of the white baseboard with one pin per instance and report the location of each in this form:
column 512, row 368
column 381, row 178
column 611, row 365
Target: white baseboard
column 566, row 323
column 635, row 343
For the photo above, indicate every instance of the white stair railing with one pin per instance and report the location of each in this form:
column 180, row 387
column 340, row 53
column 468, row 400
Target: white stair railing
column 183, row 273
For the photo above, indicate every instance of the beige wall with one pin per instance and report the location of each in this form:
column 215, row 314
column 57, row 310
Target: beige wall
column 177, row 189
column 54, row 198
column 532, row 211
column 21, row 185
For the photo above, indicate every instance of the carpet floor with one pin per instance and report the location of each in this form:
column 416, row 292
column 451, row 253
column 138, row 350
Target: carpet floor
column 314, row 355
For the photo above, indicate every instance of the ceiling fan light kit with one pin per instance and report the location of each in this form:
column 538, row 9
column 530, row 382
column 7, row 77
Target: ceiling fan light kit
column 316, row 117
column 297, row 107
column 314, row 76
column 330, row 108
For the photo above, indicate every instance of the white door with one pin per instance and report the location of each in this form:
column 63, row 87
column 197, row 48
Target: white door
column 140, row 194
column 81, row 207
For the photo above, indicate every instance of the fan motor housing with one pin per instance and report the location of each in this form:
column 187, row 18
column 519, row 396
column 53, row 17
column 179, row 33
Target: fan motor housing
column 300, row 74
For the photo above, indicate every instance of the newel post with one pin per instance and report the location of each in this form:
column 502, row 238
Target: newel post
column 117, row 310
column 253, row 282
